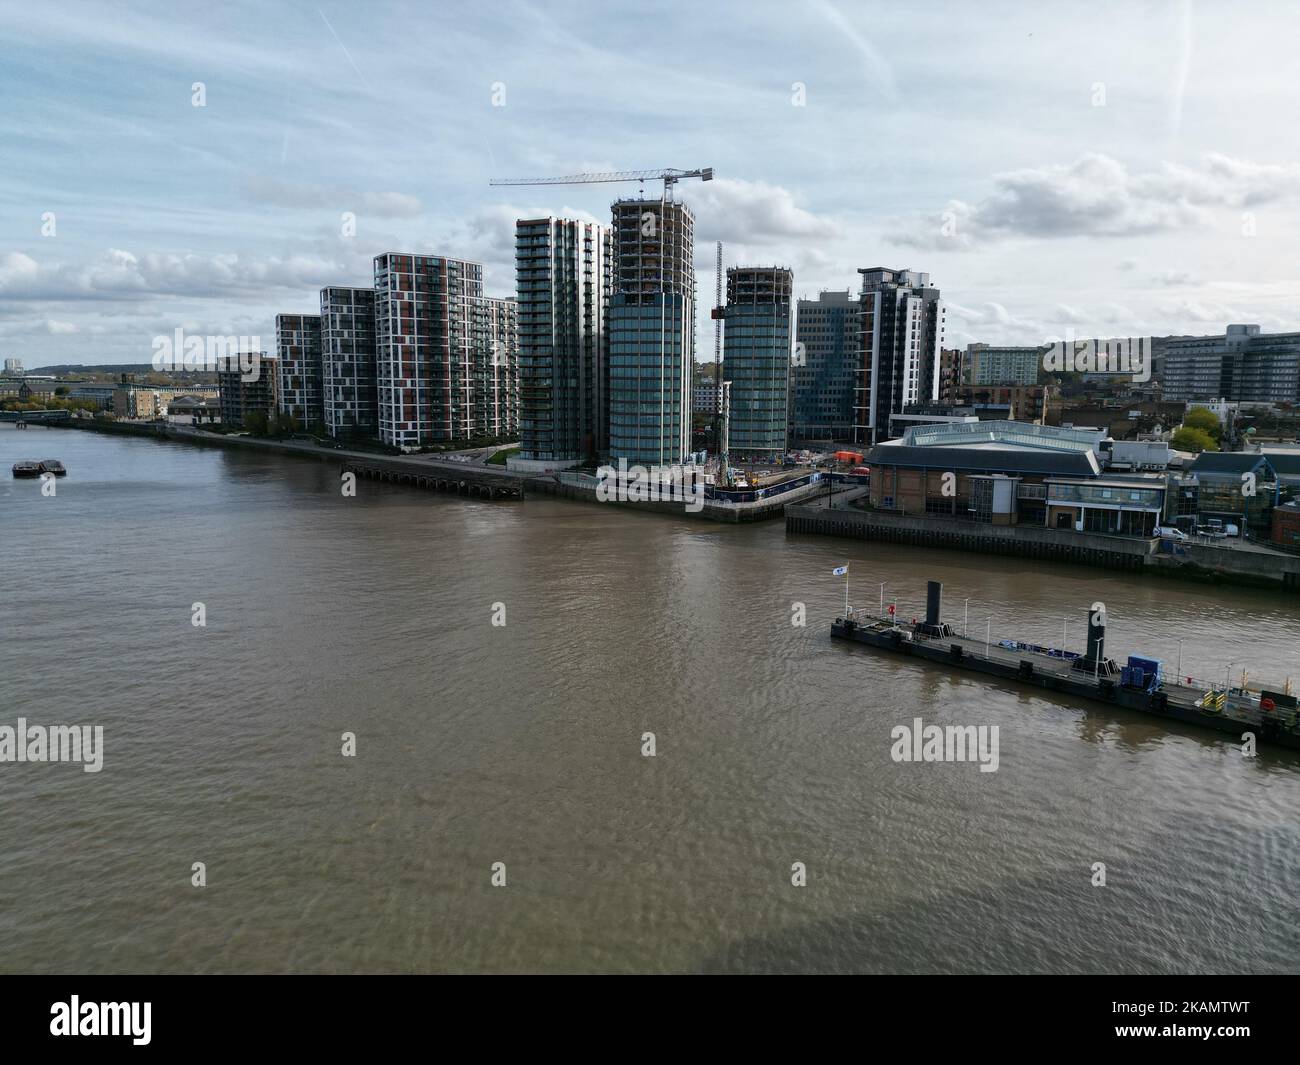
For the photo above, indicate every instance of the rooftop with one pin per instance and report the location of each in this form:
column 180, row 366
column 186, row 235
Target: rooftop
column 988, row 459
column 1234, row 463
column 1153, row 480
column 1002, row 434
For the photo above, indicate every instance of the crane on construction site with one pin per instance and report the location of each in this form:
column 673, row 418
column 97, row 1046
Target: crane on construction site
column 719, row 414
column 668, row 176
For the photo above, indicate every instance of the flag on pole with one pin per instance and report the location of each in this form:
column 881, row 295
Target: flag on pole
column 840, row 571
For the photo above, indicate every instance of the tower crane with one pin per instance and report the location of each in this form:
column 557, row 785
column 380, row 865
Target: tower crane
column 668, row 176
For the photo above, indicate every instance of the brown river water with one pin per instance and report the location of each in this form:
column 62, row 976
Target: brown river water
column 521, row 743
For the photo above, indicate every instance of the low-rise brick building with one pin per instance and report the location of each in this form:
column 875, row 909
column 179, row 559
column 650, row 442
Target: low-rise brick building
column 1008, row 473
column 1286, row 525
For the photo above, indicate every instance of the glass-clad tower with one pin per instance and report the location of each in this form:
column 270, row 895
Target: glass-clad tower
column 652, row 332
column 756, row 359
column 563, row 273
column 821, row 381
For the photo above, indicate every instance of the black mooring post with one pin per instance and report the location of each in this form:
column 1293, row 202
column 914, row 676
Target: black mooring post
column 933, row 603
column 1096, row 637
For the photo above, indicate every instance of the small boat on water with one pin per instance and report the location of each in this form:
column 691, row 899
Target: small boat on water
column 54, row 466
column 27, row 468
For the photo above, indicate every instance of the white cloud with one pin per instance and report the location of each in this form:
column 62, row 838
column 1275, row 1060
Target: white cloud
column 1216, row 316
column 990, row 312
column 17, row 269
column 1224, row 181
column 1067, row 315
column 119, row 274
column 754, row 212
column 1097, row 196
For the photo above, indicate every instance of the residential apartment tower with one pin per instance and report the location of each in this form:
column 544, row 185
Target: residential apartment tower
column 902, row 324
column 298, row 355
column 756, row 359
column 564, row 270
column 824, row 370
column 424, row 329
column 350, row 396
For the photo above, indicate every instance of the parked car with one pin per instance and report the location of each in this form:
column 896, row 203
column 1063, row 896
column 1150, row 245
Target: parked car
column 1170, row 533
column 1218, row 529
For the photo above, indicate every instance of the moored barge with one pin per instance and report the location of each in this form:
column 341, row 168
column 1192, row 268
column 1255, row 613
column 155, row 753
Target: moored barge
column 1141, row 685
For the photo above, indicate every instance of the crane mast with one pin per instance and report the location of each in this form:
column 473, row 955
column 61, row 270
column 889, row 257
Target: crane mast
column 719, row 312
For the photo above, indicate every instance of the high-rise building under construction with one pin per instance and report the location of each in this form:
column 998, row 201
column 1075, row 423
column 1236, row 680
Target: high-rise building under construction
column 652, row 332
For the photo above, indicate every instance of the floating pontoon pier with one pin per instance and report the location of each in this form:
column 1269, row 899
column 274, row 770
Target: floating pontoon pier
column 1142, row 684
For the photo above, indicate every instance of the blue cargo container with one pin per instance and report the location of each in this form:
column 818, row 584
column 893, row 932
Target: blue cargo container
column 1141, row 673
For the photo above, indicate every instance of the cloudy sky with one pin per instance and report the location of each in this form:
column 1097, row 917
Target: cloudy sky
column 1126, row 169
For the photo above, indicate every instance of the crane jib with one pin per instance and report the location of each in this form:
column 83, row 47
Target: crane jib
column 667, row 176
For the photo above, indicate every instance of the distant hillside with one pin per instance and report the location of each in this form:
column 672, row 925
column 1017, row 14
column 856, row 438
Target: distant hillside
column 142, row 373
column 124, row 367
